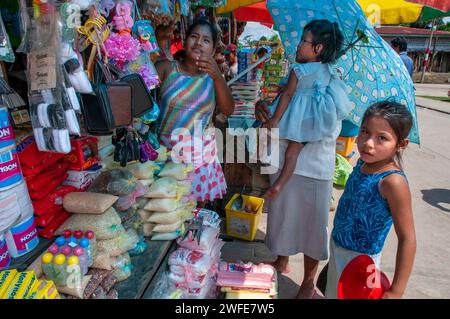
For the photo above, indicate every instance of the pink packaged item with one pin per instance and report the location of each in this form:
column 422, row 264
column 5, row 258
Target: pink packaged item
column 248, row 275
column 208, row 238
column 125, row 202
column 191, row 261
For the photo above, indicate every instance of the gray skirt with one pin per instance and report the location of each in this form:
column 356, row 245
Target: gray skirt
column 298, row 219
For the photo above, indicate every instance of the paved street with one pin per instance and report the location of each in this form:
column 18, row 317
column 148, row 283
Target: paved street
column 428, row 171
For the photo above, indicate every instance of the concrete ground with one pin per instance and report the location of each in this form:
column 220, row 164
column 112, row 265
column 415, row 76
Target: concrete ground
column 428, row 171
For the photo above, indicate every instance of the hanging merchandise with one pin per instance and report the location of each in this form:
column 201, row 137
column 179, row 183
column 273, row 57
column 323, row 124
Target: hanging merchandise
column 208, row 3
column 160, row 12
column 143, row 31
column 184, row 7
column 8, row 96
column 45, row 86
column 104, row 7
column 6, row 52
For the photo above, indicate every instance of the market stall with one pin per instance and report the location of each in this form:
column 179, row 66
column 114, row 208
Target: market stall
column 91, row 204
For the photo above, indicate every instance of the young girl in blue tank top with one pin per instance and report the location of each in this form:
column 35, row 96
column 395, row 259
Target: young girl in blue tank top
column 376, row 196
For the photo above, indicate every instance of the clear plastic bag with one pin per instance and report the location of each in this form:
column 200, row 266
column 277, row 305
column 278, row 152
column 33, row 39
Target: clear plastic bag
column 120, row 244
column 142, row 170
column 208, row 238
column 127, row 201
column 169, row 236
column 6, row 51
column 165, row 289
column 141, row 202
column 105, row 226
column 117, row 182
column 162, row 204
column 122, row 267
column 165, row 187
column 77, row 290
column 178, row 171
column 167, row 228
column 192, row 261
column 167, row 218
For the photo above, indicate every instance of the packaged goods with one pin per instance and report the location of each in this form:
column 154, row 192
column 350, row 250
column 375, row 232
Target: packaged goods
column 76, row 290
column 169, row 236
column 143, row 170
column 21, row 286
column 6, row 279
column 119, row 244
column 166, row 218
column 22, row 237
column 117, row 182
column 162, row 205
column 178, row 171
column 88, row 203
column 167, row 228
column 45, row 289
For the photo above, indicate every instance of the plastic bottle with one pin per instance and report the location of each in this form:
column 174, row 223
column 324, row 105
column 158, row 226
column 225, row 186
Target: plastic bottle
column 53, row 249
column 60, row 268
column 47, row 266
column 66, row 250
column 72, row 242
column 92, row 241
column 84, row 243
column 82, row 259
column 78, row 234
column 60, row 241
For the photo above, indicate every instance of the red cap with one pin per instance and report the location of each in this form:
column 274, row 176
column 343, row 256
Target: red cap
column 78, row 234
column 89, row 235
column 67, row 233
column 362, row 280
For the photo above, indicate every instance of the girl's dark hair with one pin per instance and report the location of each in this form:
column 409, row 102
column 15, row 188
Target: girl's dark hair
column 398, row 117
column 329, row 35
column 204, row 22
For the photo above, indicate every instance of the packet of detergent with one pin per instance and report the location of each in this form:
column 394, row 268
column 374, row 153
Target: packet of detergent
column 6, row 278
column 22, row 286
column 44, row 289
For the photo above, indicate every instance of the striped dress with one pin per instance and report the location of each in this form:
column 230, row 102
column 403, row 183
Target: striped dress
column 188, row 102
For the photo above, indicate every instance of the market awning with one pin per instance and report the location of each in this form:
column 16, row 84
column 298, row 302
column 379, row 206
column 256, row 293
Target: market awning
column 256, row 12
column 235, row 4
column 389, row 12
column 443, row 5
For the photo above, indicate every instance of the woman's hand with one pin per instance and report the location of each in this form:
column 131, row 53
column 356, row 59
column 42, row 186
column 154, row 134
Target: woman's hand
column 209, row 66
column 272, row 193
column 391, row 295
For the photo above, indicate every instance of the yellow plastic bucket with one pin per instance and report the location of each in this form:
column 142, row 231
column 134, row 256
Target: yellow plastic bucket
column 241, row 224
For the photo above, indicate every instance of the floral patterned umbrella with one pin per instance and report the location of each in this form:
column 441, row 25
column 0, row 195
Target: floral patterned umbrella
column 372, row 70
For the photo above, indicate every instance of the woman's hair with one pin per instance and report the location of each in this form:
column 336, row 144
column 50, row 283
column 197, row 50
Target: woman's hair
column 398, row 117
column 204, row 22
column 329, row 35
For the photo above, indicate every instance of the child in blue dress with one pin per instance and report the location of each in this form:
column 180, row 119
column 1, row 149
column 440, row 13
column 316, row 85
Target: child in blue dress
column 314, row 100
column 376, row 196
column 309, row 111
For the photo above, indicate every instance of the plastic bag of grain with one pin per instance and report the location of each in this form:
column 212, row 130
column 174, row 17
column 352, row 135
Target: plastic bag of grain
column 120, row 244
column 179, row 171
column 88, row 203
column 105, row 226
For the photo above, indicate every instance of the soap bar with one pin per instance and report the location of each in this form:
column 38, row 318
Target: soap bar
column 6, row 278
column 22, row 286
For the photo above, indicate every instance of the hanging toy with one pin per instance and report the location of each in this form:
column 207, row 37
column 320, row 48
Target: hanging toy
column 143, row 31
column 122, row 49
column 83, row 4
column 123, row 22
column 104, row 7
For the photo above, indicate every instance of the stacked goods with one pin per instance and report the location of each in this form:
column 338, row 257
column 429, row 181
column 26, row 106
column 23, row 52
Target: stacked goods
column 169, row 203
column 95, row 212
column 105, row 147
column 25, row 285
column 44, row 174
column 274, row 72
column 18, row 234
column 245, row 59
column 193, row 266
column 83, row 162
column 247, row 281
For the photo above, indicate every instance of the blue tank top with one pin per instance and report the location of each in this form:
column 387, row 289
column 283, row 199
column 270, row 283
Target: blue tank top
column 363, row 218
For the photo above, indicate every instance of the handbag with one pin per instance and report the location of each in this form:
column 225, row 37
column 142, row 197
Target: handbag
column 110, row 106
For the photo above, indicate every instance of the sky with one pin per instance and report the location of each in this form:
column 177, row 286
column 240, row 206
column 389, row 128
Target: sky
column 257, row 30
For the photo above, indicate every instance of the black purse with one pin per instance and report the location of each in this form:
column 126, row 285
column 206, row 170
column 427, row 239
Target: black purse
column 110, row 105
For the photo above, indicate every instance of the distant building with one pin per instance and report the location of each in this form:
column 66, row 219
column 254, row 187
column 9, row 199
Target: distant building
column 417, row 46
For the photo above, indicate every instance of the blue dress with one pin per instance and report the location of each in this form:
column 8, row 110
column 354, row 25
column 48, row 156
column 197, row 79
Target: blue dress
column 363, row 218
column 319, row 102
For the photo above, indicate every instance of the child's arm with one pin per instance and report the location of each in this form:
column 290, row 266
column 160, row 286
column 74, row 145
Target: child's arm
column 286, row 96
column 395, row 189
column 290, row 161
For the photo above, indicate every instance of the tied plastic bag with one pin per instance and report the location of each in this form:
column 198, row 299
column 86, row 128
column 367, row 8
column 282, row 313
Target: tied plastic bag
column 162, row 205
column 167, row 228
column 140, row 248
column 143, row 170
column 6, row 51
column 191, row 261
column 117, row 182
column 88, row 203
column 147, row 182
column 342, row 171
column 76, row 290
column 122, row 267
column 165, row 289
column 180, row 214
column 127, row 201
column 141, row 202
column 169, row 236
column 208, row 238
column 120, row 244
column 178, row 171
column 148, row 230
column 145, row 214
column 105, row 226
column 165, row 187
column 163, row 154
column 210, row 218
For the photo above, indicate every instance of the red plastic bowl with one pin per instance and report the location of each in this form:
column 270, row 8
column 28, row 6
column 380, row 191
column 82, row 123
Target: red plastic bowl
column 361, row 279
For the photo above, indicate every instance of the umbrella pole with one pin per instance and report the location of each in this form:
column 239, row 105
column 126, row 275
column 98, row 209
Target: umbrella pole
column 427, row 56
